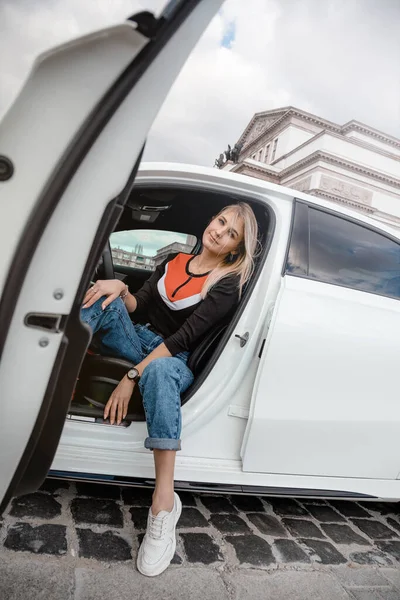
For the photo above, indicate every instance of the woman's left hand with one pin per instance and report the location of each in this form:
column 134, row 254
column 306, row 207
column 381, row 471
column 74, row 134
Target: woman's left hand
column 117, row 406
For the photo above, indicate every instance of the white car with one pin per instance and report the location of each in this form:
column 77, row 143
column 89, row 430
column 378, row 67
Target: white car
column 297, row 395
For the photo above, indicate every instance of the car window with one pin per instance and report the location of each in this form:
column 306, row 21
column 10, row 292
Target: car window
column 147, row 248
column 344, row 253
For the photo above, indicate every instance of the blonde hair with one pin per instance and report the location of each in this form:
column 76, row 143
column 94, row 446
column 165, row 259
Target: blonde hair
column 243, row 263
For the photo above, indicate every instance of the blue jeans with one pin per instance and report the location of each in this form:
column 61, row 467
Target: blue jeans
column 163, row 380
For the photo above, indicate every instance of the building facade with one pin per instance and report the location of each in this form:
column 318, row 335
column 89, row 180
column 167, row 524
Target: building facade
column 132, row 259
column 351, row 164
column 175, row 247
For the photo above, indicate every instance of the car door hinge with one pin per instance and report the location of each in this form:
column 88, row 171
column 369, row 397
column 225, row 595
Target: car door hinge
column 46, row 322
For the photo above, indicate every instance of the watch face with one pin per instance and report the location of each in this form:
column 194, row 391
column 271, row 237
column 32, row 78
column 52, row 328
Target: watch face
column 132, row 373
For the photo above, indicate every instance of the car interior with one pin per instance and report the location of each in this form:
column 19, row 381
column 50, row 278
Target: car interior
column 181, row 210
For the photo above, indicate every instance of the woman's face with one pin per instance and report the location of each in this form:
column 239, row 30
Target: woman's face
column 224, row 233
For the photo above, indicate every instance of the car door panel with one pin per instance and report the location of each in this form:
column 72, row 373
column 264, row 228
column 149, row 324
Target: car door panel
column 65, row 197
column 38, row 350
column 324, row 401
column 65, row 85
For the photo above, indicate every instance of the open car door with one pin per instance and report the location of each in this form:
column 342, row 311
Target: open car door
column 70, row 146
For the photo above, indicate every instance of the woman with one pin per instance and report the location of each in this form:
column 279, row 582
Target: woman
column 183, row 299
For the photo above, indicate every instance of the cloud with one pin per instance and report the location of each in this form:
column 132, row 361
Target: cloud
column 28, row 27
column 337, row 58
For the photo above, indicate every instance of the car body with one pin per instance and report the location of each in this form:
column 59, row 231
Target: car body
column 295, row 396
column 307, row 406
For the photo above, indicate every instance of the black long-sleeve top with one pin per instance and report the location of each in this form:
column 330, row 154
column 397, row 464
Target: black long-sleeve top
column 170, row 301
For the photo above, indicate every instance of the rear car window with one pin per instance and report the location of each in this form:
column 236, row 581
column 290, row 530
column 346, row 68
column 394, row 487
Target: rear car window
column 331, row 249
column 146, row 248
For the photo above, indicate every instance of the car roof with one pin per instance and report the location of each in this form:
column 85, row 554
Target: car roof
column 149, row 169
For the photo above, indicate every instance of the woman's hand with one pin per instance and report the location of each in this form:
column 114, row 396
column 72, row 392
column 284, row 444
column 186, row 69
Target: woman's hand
column 111, row 288
column 117, row 406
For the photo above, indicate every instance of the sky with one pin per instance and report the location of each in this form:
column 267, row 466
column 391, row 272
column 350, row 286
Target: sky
column 335, row 58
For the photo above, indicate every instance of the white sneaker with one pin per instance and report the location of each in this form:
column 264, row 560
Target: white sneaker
column 158, row 546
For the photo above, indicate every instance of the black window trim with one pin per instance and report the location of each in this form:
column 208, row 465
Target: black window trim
column 345, row 217
column 295, row 205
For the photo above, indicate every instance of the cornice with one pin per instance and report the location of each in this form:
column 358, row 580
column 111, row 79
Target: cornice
column 275, row 178
column 283, row 120
column 269, row 134
column 256, row 116
column 369, row 146
column 391, row 219
column 287, row 113
column 310, row 118
column 340, row 162
column 320, row 155
column 290, row 111
column 375, row 133
column 296, row 177
column 326, row 196
column 354, row 141
column 317, row 192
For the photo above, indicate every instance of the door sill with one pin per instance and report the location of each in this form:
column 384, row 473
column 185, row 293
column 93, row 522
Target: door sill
column 217, row 488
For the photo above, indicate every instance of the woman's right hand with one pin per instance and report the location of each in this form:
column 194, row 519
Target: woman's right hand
column 111, row 288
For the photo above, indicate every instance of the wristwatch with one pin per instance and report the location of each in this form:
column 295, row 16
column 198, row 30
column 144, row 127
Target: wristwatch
column 133, row 375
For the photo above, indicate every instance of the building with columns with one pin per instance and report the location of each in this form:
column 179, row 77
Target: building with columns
column 351, row 164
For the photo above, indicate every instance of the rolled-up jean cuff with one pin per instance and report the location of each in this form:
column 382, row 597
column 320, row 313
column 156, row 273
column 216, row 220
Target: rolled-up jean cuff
column 162, row 444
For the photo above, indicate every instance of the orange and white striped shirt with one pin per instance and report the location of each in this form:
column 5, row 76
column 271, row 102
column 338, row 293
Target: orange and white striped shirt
column 170, row 300
column 178, row 287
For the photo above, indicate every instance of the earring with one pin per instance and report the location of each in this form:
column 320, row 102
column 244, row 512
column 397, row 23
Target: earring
column 231, row 257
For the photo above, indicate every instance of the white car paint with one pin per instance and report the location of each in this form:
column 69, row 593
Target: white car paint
column 64, row 88
column 252, row 423
column 325, row 401
column 323, row 412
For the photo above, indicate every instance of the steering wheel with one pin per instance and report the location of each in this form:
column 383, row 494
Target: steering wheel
column 108, row 266
column 105, row 267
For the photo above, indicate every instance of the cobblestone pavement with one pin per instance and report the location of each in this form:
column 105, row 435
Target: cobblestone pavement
column 235, row 547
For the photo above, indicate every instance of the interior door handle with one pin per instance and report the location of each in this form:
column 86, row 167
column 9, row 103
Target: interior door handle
column 45, row 322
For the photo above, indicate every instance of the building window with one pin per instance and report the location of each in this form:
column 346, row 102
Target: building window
column 333, row 250
column 274, row 150
column 267, row 149
column 254, row 156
